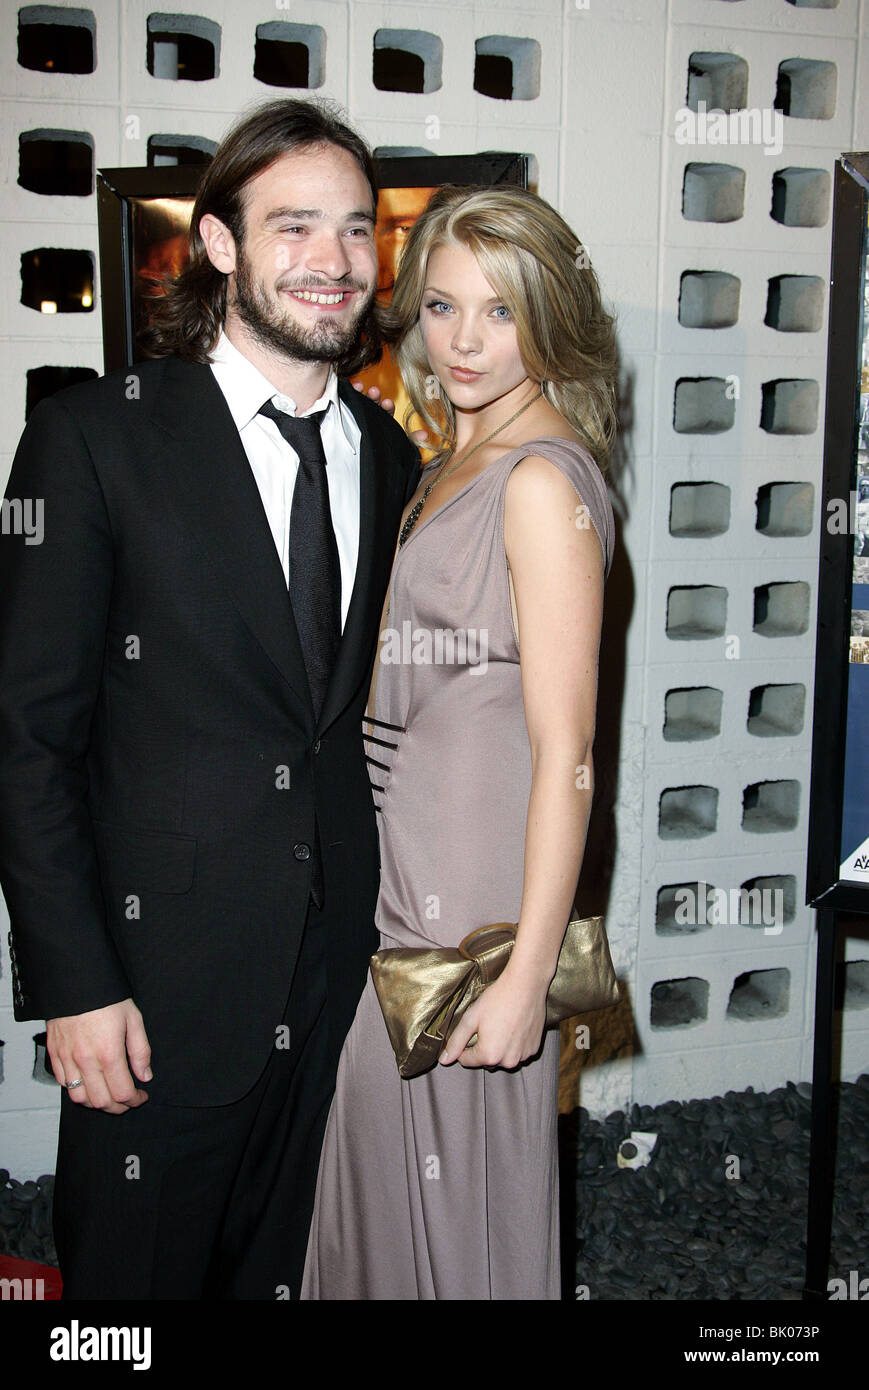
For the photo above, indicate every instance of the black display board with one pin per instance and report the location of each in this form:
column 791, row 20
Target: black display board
column 837, row 874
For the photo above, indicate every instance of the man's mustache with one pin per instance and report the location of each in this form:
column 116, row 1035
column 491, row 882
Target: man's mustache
column 323, row 289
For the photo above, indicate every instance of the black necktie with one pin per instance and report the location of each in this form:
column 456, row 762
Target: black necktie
column 315, row 571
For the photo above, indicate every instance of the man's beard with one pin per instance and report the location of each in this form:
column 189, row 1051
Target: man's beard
column 326, row 341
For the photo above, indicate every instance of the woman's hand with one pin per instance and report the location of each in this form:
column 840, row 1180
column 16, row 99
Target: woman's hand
column 509, row 1018
column 373, row 394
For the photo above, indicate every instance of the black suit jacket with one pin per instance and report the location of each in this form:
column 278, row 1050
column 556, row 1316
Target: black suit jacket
column 153, row 709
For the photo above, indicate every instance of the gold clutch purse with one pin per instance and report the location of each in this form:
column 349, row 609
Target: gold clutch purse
column 423, row 992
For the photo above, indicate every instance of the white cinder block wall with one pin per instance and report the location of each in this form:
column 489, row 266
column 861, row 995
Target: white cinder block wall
column 611, row 77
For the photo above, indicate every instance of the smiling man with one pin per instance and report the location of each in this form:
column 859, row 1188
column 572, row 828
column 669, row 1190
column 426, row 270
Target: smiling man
column 188, row 845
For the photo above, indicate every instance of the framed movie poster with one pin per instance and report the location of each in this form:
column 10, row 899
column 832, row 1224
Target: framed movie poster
column 144, row 216
column 838, row 853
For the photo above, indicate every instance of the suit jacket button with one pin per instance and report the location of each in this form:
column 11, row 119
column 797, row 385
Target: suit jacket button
column 302, row 851
column 317, row 746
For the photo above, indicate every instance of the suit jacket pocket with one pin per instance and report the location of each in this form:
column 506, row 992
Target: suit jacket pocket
column 145, row 859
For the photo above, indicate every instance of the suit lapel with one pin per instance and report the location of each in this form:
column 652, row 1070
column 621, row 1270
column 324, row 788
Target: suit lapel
column 212, row 484
column 352, row 664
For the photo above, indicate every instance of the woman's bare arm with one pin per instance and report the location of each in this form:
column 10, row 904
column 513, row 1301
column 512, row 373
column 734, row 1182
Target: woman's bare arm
column 558, row 578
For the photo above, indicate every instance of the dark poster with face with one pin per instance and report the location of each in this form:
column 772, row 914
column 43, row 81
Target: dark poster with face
column 159, row 228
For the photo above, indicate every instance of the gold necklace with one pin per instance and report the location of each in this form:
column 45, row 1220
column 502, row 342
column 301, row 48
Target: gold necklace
column 413, row 515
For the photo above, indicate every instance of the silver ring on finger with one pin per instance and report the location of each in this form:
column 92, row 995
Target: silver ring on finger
column 71, row 1085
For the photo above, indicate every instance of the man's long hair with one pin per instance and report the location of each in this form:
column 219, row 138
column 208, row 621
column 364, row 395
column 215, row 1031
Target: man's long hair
column 187, row 313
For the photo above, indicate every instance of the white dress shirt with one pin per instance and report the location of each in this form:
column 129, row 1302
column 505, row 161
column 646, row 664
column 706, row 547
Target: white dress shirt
column 275, row 463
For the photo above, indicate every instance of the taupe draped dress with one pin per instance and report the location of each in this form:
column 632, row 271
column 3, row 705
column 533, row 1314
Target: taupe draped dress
column 446, row 1186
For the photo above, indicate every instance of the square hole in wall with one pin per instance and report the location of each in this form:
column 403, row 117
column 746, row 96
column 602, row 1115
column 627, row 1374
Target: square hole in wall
column 801, row 197
column 679, row 1003
column 57, row 281
column 56, row 162
column 692, row 713
column 806, row 89
column 778, row 898
column 718, row 79
column 699, row 509
column 781, row 610
column 853, row 984
column 776, row 711
column 785, row 509
column 44, row 381
column 687, row 813
column 696, row 611
column 759, row 994
column 713, row 192
column 507, row 68
column 708, row 299
column 493, row 76
column 407, row 60
column 41, row 1061
column 678, row 909
column 790, row 407
column 290, row 55
column 703, row 405
column 795, row 303
column 56, row 38
column 771, row 807
column 172, row 150
column 183, row 47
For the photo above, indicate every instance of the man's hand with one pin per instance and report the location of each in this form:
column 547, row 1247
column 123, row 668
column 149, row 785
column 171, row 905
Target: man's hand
column 94, row 1047
column 418, row 436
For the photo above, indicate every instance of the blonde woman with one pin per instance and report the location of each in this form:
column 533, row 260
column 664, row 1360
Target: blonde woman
column 479, row 740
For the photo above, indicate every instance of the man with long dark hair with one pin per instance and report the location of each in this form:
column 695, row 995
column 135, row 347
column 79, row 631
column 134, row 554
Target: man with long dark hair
column 188, row 845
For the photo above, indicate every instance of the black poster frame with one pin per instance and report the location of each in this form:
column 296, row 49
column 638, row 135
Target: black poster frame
column 119, row 189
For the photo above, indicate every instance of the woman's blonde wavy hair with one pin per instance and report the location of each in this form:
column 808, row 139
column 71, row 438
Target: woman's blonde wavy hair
column 536, row 264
